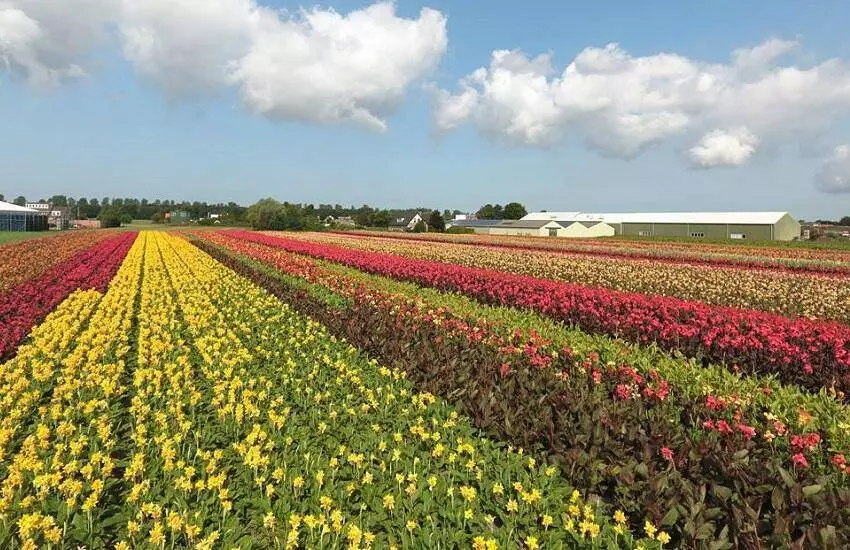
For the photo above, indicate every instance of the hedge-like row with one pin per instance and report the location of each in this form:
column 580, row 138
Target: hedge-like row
column 637, row 453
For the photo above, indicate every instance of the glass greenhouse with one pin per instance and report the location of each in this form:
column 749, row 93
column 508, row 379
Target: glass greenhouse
column 18, row 218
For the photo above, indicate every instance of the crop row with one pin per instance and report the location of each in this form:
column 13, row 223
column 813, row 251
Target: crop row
column 622, row 436
column 759, row 400
column 798, row 260
column 26, row 305
column 215, row 416
column 776, row 292
column 812, row 354
column 27, row 260
column 63, row 461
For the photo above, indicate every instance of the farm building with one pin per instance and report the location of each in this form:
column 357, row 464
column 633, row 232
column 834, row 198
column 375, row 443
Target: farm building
column 20, row 218
column 757, row 226
column 552, row 228
column 481, row 227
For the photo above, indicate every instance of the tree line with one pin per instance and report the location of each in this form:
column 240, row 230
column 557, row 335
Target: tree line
column 266, row 213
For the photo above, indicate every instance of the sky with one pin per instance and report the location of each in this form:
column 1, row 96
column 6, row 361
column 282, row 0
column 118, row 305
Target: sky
column 611, row 106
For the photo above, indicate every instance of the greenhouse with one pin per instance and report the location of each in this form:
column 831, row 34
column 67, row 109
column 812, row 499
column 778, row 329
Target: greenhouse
column 18, row 218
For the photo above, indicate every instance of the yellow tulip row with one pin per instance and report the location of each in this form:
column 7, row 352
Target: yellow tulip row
column 313, row 441
column 63, row 465
column 815, row 297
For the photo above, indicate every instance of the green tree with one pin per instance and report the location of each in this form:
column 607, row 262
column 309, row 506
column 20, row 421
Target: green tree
column 420, row 227
column 843, row 221
column 486, row 212
column 2, row 198
column 263, row 213
column 111, row 217
column 514, row 211
column 436, row 222
column 20, row 200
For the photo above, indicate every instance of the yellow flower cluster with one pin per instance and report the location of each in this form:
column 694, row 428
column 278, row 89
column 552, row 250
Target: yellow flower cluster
column 24, row 378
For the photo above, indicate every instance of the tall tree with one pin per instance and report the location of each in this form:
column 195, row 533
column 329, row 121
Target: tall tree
column 514, row 211
column 436, row 222
column 20, row 200
column 486, row 212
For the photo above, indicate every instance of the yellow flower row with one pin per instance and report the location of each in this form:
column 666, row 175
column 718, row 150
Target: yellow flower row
column 816, row 297
column 62, row 466
column 325, row 440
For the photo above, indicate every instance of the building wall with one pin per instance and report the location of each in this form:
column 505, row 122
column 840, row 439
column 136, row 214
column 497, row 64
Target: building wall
column 577, row 231
column 786, row 229
column 753, row 232
column 519, row 231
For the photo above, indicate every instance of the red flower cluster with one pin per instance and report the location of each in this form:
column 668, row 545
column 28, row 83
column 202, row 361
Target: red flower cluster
column 26, row 305
column 814, row 354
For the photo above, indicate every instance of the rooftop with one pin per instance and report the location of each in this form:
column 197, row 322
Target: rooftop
column 9, row 207
column 757, row 218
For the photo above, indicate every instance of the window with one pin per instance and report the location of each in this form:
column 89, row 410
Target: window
column 738, row 236
column 644, row 233
column 697, row 234
column 553, row 232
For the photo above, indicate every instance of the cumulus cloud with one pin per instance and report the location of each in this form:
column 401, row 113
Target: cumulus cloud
column 48, row 42
column 623, row 105
column 834, row 175
column 312, row 65
column 724, row 148
column 187, row 47
column 320, row 66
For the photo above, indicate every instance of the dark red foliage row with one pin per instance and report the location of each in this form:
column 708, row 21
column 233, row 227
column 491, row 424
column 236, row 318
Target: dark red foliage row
column 26, row 305
column 813, row 354
column 661, row 256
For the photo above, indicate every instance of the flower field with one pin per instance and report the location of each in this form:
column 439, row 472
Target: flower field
column 778, row 291
column 793, row 259
column 232, row 389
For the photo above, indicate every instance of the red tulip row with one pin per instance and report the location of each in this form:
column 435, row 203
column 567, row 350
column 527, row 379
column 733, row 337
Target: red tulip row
column 813, row 354
column 656, row 254
column 26, row 305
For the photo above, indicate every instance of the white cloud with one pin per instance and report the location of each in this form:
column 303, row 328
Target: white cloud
column 724, row 148
column 47, row 42
column 834, row 175
column 315, row 65
column 623, row 104
column 187, row 47
column 324, row 67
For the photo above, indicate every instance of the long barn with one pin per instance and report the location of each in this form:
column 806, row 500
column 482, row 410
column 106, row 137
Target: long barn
column 755, row 226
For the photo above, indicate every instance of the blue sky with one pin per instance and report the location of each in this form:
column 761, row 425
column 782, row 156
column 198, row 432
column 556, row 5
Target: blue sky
column 123, row 130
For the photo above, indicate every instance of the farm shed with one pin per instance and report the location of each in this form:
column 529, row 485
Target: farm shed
column 19, row 218
column 758, row 226
column 481, row 227
column 529, row 228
